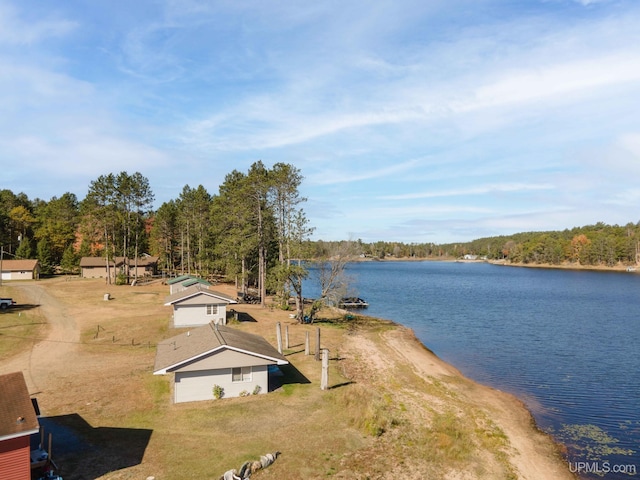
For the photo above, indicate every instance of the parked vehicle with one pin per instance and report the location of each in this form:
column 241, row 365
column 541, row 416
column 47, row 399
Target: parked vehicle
column 6, row 303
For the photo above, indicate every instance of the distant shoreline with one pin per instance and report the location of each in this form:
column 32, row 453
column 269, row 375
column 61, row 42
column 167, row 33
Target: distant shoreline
column 563, row 266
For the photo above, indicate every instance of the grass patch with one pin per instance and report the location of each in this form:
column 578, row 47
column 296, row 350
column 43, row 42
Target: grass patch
column 19, row 327
column 368, row 410
column 450, row 438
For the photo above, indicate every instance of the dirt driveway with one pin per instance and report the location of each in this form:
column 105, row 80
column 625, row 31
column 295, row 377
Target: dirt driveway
column 50, row 355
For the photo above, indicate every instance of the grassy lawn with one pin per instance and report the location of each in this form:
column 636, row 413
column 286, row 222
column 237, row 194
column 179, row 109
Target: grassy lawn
column 19, row 324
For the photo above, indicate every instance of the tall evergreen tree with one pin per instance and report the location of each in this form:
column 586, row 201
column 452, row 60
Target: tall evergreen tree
column 165, row 234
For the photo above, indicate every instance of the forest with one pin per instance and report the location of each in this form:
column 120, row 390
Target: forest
column 253, row 230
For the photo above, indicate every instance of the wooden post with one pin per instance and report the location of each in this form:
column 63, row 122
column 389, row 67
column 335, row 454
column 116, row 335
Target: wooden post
column 324, row 380
column 279, row 335
column 318, row 344
column 307, row 350
column 286, row 336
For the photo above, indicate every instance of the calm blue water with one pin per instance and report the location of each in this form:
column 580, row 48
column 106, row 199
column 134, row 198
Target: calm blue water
column 565, row 342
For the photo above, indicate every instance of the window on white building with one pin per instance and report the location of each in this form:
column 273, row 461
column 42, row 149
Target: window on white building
column 212, row 309
column 241, row 374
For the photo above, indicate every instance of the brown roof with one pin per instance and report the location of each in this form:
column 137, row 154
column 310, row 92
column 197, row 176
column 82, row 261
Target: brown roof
column 205, row 340
column 19, row 265
column 17, row 415
column 145, row 261
column 100, row 262
column 194, row 290
column 94, row 262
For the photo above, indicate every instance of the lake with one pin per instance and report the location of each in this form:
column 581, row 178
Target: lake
column 565, row 342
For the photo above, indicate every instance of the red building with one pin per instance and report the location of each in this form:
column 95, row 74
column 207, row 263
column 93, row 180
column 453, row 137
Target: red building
column 18, row 421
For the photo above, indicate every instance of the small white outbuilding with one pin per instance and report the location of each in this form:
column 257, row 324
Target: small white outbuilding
column 215, row 355
column 198, row 305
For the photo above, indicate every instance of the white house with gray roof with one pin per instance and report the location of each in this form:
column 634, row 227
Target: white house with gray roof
column 210, row 355
column 198, row 305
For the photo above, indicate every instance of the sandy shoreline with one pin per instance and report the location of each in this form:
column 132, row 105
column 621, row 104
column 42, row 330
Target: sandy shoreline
column 532, row 453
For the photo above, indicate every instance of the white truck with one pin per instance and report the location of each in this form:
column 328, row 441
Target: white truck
column 6, row 303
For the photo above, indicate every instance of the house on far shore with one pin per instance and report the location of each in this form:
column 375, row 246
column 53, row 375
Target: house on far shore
column 183, row 282
column 20, row 269
column 197, row 305
column 96, row 267
column 215, row 355
column 18, row 421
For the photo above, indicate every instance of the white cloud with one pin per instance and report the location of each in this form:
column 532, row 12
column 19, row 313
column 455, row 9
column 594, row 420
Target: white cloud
column 83, row 152
column 476, row 190
column 586, row 3
column 556, row 81
column 15, row 30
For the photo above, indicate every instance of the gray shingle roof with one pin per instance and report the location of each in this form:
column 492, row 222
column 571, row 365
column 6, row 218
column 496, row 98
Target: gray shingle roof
column 202, row 341
column 196, row 289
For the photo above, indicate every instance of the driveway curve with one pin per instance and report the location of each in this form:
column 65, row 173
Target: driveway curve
column 50, row 354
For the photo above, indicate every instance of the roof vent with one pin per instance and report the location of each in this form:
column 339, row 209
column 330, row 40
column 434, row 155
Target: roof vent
column 20, row 420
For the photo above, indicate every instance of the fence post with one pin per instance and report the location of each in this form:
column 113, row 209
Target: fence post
column 286, row 336
column 279, row 335
column 307, row 350
column 324, row 380
column 318, row 344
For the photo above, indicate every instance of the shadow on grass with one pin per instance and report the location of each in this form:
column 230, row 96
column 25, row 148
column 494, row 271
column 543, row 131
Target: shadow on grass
column 81, row 451
column 343, row 384
column 234, row 315
column 293, row 353
column 19, row 307
column 23, row 325
column 287, row 375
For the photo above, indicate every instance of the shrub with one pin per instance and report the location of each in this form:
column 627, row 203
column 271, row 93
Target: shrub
column 218, row 392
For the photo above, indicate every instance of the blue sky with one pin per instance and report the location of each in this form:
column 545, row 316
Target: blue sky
column 416, row 121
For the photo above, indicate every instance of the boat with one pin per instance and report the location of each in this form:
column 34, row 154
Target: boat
column 352, row 302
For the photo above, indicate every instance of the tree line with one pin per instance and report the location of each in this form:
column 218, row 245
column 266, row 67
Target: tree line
column 591, row 245
column 253, row 230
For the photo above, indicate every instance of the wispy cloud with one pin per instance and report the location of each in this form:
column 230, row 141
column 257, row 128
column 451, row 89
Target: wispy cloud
column 351, row 175
column 472, row 191
column 557, row 82
column 17, row 30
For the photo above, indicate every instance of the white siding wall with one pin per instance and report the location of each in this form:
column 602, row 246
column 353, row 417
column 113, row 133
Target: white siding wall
column 17, row 275
column 194, row 315
column 198, row 385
